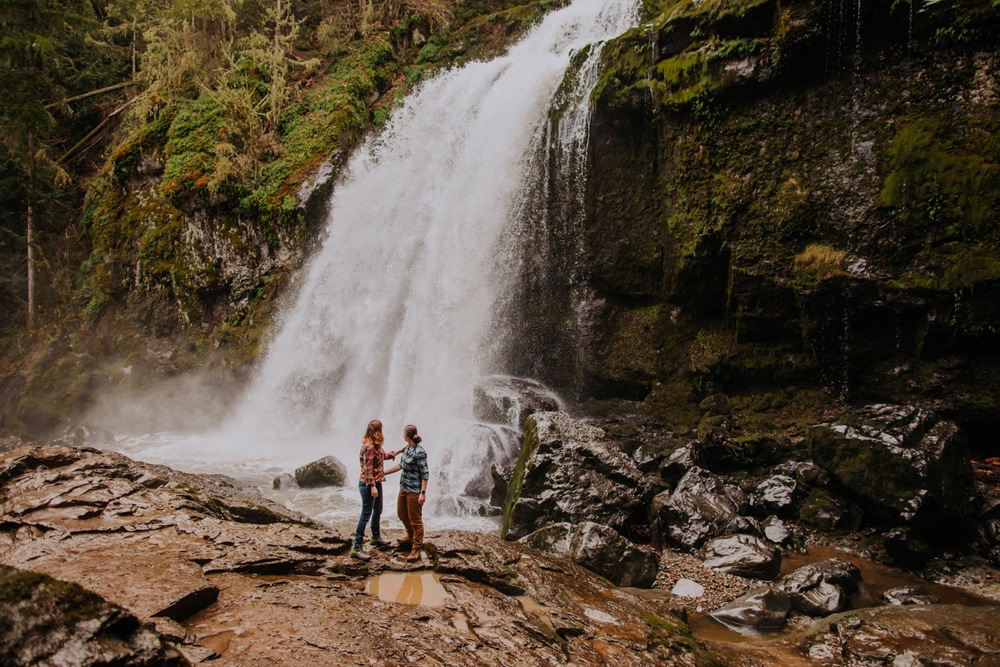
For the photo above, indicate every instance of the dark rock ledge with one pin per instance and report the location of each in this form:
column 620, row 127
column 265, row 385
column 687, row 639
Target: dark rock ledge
column 176, row 564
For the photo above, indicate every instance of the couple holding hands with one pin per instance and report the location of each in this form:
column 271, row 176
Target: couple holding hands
column 412, row 490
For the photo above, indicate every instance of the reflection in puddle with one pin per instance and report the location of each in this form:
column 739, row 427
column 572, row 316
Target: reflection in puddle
column 418, row 588
column 529, row 604
column 218, row 642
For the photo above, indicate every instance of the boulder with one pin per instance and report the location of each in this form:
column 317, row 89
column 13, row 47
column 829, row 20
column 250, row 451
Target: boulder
column 905, row 595
column 600, row 549
column 774, row 495
column 906, row 463
column 567, row 472
column 806, row 473
column 906, row 547
column 716, row 404
column 763, row 609
column 50, row 622
column 742, row 555
column 677, row 464
column 687, row 588
column 327, row 471
column 823, row 588
column 775, row 530
column 501, row 399
column 719, row 450
column 702, row 506
column 284, row 481
column 827, row 511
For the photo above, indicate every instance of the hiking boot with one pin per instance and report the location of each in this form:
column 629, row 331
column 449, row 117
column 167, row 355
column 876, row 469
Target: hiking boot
column 404, row 545
column 359, row 554
column 382, row 545
column 414, row 556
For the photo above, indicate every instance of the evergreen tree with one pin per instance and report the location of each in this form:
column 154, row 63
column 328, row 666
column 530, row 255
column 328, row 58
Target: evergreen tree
column 50, row 51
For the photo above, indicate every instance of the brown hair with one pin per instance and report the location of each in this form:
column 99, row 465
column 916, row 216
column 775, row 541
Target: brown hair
column 411, row 432
column 373, row 434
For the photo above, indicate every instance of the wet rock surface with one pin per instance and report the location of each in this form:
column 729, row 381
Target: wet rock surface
column 905, row 462
column 823, row 588
column 702, row 506
column 599, row 549
column 765, row 609
column 569, row 472
column 923, row 635
column 233, row 579
column 743, row 555
column 327, row 471
column 501, row 399
column 44, row 621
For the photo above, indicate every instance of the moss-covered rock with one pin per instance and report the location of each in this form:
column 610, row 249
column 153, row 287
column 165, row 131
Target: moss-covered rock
column 809, row 200
column 907, row 465
column 47, row 621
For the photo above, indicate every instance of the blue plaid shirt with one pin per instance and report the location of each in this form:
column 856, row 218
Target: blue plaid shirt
column 413, row 463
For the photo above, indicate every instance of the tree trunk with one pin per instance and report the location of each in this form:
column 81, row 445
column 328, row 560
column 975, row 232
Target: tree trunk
column 31, row 258
column 30, row 233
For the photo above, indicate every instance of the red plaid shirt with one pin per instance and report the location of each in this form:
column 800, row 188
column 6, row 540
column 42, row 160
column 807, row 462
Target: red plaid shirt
column 372, row 459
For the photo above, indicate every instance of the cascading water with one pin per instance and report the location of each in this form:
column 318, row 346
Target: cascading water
column 394, row 315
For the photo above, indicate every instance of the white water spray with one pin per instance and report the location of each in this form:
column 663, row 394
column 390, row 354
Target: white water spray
column 393, row 315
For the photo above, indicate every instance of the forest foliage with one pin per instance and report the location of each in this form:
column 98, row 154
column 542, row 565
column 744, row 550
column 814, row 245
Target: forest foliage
column 238, row 99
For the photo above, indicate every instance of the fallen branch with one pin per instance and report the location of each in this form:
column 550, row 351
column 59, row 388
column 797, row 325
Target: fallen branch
column 97, row 129
column 83, row 96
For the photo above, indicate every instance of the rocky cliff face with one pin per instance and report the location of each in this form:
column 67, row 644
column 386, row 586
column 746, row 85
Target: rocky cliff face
column 792, row 194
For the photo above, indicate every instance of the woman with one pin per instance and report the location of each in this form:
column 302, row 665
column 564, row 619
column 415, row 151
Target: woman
column 372, row 460
column 412, row 490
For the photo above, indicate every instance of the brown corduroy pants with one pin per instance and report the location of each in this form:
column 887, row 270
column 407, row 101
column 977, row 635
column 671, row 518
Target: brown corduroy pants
column 411, row 513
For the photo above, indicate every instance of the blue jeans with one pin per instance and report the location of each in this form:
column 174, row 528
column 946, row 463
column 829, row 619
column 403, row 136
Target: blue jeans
column 371, row 508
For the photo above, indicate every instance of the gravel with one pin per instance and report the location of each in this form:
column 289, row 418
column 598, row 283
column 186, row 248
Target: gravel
column 720, row 587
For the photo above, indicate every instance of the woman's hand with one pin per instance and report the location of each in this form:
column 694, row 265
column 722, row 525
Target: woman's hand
column 374, row 492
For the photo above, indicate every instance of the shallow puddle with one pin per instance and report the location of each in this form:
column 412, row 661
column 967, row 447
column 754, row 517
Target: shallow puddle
column 529, row 604
column 417, row 588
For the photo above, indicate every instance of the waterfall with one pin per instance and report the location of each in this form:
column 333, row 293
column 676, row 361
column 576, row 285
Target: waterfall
column 394, row 318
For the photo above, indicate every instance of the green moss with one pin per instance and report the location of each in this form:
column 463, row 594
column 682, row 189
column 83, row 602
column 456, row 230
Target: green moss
column 934, row 186
column 429, row 51
column 824, row 512
column 75, row 603
column 709, row 348
column 876, row 472
column 632, row 353
column 528, row 448
column 819, row 262
column 675, row 402
column 704, row 37
column 953, row 266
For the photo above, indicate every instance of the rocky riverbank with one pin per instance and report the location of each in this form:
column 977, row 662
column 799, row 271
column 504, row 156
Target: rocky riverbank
column 177, row 568
column 219, row 573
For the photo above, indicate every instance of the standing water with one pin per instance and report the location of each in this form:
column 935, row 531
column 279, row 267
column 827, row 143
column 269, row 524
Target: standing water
column 393, row 318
